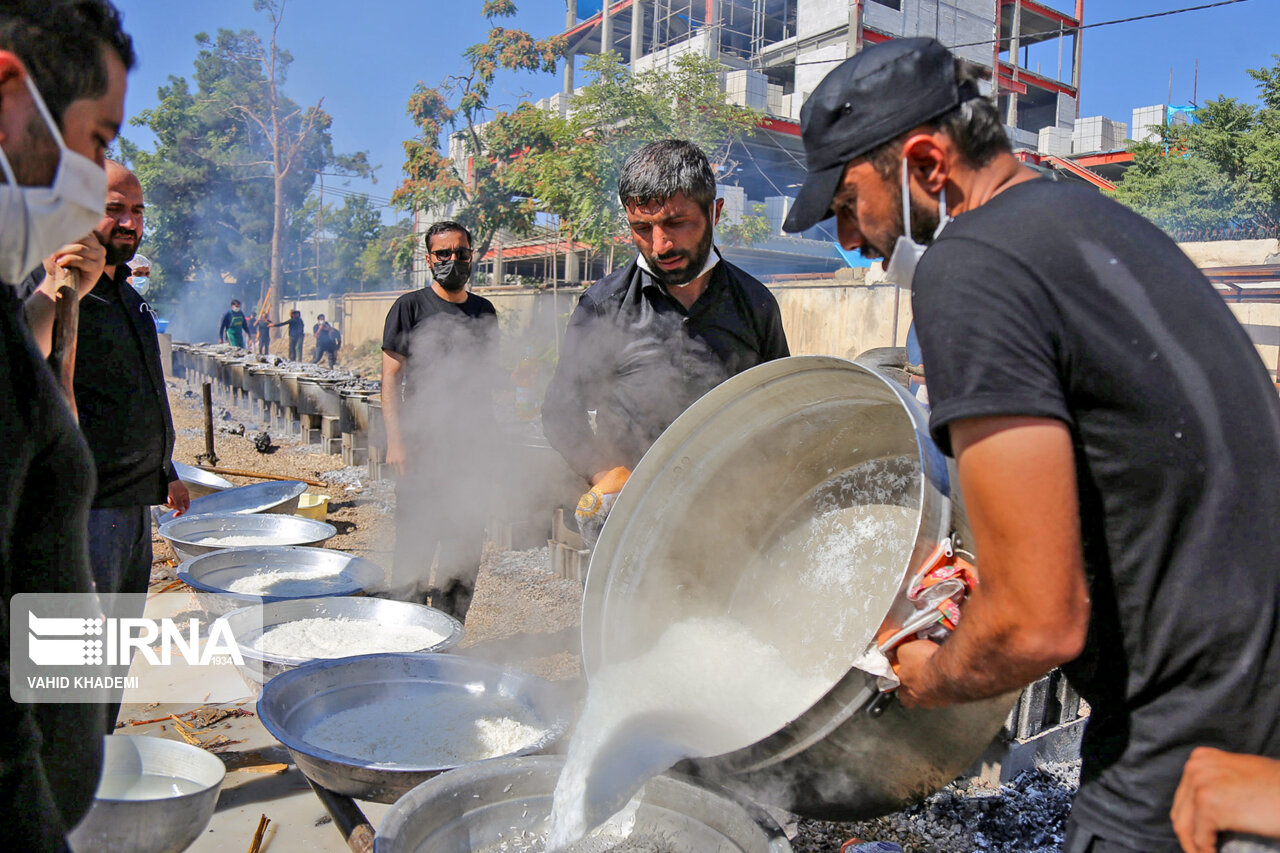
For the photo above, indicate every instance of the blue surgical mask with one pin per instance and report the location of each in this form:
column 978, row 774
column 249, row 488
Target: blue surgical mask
column 140, row 283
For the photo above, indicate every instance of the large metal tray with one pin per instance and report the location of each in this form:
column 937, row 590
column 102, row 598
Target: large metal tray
column 249, row 623
column 186, row 533
column 337, row 573
column 294, row 701
column 277, row 496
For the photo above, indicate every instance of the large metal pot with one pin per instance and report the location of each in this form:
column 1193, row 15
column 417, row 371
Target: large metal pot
column 289, row 389
column 295, row 701
column 354, row 416
column 504, row 804
column 706, row 526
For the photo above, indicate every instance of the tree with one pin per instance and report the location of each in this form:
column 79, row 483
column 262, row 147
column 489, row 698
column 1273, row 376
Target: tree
column 1222, row 172
column 233, row 163
column 748, row 230
column 480, row 173
column 576, row 176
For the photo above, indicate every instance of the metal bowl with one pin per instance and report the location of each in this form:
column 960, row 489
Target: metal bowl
column 294, row 701
column 274, row 496
column 726, row 514
column 135, row 812
column 187, row 534
column 200, row 482
column 494, row 805
column 249, row 623
column 330, row 574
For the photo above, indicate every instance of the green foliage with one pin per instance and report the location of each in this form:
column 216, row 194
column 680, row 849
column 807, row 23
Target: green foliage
column 1221, row 173
column 483, row 171
column 748, row 230
column 235, row 159
column 576, row 175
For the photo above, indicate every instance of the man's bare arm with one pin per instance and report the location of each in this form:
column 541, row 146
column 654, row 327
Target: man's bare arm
column 1030, row 611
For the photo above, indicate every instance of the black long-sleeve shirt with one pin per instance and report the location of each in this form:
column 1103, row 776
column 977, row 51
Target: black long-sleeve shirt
column 121, row 395
column 635, row 356
column 46, row 482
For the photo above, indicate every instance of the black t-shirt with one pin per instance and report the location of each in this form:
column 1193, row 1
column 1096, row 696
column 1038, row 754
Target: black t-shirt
column 452, row 351
column 635, row 356
column 46, row 483
column 296, row 327
column 1053, row 301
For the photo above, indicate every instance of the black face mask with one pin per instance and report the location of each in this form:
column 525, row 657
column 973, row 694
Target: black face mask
column 452, row 275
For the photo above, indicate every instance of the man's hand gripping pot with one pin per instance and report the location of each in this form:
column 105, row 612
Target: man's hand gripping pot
column 594, row 506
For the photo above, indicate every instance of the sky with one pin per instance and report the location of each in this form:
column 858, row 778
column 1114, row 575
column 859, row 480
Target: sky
column 365, row 58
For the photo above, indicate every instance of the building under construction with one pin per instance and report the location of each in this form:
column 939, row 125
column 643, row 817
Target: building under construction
column 774, row 53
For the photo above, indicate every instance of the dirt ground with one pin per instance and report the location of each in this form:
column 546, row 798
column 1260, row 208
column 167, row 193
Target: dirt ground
column 525, row 617
column 522, row 614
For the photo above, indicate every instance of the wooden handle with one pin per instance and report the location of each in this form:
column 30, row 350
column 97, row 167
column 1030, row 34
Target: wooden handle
column 351, row 822
column 66, row 329
column 237, row 473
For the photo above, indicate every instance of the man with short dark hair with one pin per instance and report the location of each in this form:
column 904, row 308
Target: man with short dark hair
column 233, row 326
column 439, row 369
column 328, row 340
column 1115, row 434
column 297, row 330
column 63, row 68
column 648, row 340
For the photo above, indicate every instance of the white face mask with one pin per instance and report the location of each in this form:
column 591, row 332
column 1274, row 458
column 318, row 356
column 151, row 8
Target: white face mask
column 37, row 221
column 906, row 251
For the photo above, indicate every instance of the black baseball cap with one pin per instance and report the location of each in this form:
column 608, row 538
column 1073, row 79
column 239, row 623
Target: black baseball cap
column 869, row 99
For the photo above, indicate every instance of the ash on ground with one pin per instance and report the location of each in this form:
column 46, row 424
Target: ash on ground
column 1028, row 815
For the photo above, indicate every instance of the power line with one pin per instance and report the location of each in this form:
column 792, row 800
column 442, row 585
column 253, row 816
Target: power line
column 1060, row 31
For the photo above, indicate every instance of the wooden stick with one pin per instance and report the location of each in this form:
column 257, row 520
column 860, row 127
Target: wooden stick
column 207, row 393
column 66, row 330
column 263, row 820
column 234, row 473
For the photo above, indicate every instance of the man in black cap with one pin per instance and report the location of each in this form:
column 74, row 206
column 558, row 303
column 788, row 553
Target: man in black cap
column 1115, row 433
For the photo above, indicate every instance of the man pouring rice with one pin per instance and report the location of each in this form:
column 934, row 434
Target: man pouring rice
column 1115, row 433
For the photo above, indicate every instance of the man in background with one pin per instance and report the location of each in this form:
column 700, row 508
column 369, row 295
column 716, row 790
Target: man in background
column 234, row 325
column 296, row 331
column 120, row 393
column 648, row 340
column 328, row 342
column 63, row 68
column 439, row 357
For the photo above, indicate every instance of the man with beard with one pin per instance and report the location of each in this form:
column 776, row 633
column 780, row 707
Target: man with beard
column 1115, row 434
column 648, row 340
column 439, row 355
column 119, row 391
column 63, row 67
